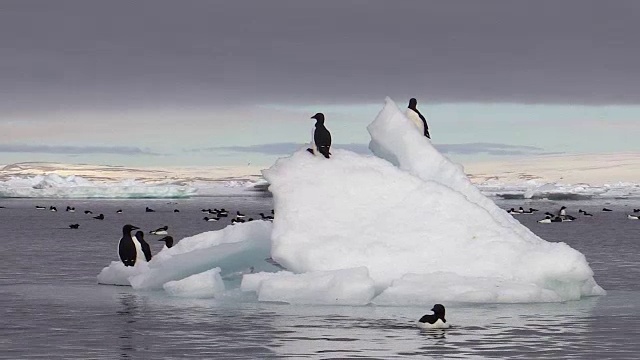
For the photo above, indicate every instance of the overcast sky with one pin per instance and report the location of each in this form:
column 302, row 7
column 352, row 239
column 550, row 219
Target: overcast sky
column 215, row 82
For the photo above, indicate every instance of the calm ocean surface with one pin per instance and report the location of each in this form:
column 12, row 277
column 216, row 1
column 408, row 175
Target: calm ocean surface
column 52, row 308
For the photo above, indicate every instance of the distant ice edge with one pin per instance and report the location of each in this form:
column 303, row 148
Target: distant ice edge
column 404, row 227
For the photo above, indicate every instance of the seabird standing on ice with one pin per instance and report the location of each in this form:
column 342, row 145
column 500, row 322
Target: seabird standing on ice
column 126, row 247
column 321, row 137
column 414, row 115
column 435, row 320
column 144, row 246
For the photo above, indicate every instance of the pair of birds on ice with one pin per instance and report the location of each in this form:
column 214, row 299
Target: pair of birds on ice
column 129, row 246
column 321, row 137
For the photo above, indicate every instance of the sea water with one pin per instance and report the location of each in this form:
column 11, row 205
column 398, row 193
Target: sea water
column 52, row 307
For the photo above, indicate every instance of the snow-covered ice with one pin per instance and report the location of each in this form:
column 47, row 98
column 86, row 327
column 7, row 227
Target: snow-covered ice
column 233, row 249
column 405, row 227
column 338, row 287
column 414, row 214
column 72, row 186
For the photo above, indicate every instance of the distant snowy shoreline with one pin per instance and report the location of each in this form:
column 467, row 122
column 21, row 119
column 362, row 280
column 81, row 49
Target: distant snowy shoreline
column 561, row 177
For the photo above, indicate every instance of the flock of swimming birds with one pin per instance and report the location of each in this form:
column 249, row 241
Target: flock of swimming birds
column 562, row 216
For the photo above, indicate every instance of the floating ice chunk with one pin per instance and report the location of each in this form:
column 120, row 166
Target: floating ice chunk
column 425, row 289
column 422, row 217
column 339, row 287
column 252, row 282
column 118, row 274
column 234, row 248
column 206, row 284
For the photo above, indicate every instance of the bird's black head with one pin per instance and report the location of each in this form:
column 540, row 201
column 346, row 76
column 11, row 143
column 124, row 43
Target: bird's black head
column 438, row 310
column 319, row 117
column 168, row 240
column 413, row 103
column 128, row 228
column 139, row 234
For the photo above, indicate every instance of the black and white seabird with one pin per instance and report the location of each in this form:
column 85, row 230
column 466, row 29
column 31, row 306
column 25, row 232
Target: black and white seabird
column 414, row 115
column 52, row 208
column 160, row 231
column 562, row 212
column 144, row 246
column 71, row 209
column 210, row 218
column 88, row 212
column 633, row 217
column 119, row 211
column 38, row 207
column 176, row 210
column 148, row 209
column 435, row 320
column 605, row 209
column 168, row 241
column 321, row 137
column 636, row 210
column 99, row 217
column 126, row 246
column 239, row 214
column 266, row 217
column 74, row 226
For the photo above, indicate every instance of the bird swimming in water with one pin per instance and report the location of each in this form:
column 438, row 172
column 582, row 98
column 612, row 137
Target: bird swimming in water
column 435, row 320
column 148, row 209
column 99, row 217
column 414, row 115
column 160, row 231
column 321, row 137
column 74, row 226
column 168, row 241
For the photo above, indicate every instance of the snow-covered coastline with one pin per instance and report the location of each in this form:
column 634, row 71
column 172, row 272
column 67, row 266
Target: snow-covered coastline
column 552, row 176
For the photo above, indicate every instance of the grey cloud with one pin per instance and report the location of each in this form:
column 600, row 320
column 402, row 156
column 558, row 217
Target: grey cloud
column 58, row 149
column 91, row 54
column 468, row 149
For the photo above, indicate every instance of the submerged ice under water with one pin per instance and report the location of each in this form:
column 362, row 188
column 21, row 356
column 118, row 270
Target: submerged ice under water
column 53, row 308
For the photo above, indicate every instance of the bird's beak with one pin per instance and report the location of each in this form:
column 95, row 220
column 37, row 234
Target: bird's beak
column 134, row 227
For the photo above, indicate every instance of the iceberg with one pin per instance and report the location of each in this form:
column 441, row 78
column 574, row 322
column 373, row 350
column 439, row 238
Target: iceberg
column 407, row 215
column 402, row 226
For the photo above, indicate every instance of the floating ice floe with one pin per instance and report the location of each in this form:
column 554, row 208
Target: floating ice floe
column 207, row 284
column 405, row 227
column 234, row 249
